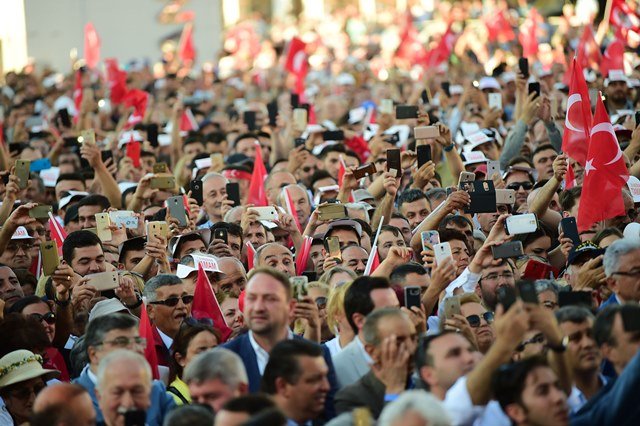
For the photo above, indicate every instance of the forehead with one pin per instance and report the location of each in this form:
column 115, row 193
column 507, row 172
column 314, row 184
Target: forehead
column 215, row 182
column 90, row 209
column 447, row 342
column 175, row 289
column 344, row 233
column 354, row 252
column 518, row 176
column 473, row 308
column 457, row 244
column 569, row 327
column 399, row 222
column 276, row 250
column 296, row 191
column 88, row 251
column 422, row 202
column 395, row 324
column 545, row 153
column 539, row 376
column 282, row 177
column 264, row 283
column 121, row 332
column 6, row 273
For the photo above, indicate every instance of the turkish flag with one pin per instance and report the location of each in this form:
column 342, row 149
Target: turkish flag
column 577, row 124
column 146, row 331
column 373, row 261
column 442, row 51
column 117, row 80
column 623, row 16
column 188, row 121
column 77, row 91
column 297, row 62
column 205, row 305
column 186, row 48
column 528, row 36
column 58, row 234
column 613, row 57
column 605, row 174
column 91, row 46
column 410, row 48
column 257, row 195
column 498, row 27
column 588, row 51
column 251, row 254
column 302, row 257
column 133, row 151
column 137, row 99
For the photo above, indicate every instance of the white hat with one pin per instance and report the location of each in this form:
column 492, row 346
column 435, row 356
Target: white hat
column 489, row 83
column 508, row 77
column 475, row 140
column 21, row 234
column 22, row 365
column 208, row 262
column 615, row 75
column 106, row 307
column 589, row 75
column 345, row 79
column 72, row 194
column 474, row 157
column 128, row 137
column 633, row 183
column 632, row 231
column 455, row 89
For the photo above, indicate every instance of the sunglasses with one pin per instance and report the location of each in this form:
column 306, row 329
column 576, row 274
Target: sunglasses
column 516, row 185
column 173, row 301
column 474, row 320
column 321, row 302
column 25, row 393
column 49, row 317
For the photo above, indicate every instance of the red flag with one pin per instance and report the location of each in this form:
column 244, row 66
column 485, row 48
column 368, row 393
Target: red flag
column 374, row 259
column 410, row 48
column 251, row 254
column 528, row 36
column 498, row 26
column 77, row 91
column 577, row 124
column 588, row 51
column 36, row 265
column 186, row 48
column 442, row 51
column 91, row 46
column 623, row 16
column 188, row 121
column 257, row 195
column 302, row 257
column 58, row 234
column 205, row 304
column 297, row 62
column 605, row 174
column 146, row 331
column 133, row 152
column 613, row 57
column 291, row 207
column 117, row 81
column 137, row 99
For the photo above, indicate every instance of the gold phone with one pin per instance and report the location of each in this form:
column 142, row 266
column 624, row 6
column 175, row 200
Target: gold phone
column 299, row 285
column 334, row 247
column 103, row 221
column 103, row 281
column 451, row 306
column 50, row 258
column 41, row 212
column 160, row 168
column 332, row 211
column 300, row 119
column 22, row 172
column 163, row 182
column 158, row 229
column 88, row 136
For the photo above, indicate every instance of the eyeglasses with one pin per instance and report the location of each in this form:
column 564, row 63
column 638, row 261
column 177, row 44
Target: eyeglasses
column 321, row 302
column 173, row 301
column 517, row 185
column 538, row 338
column 631, row 273
column 49, row 317
column 507, row 276
column 15, row 246
column 125, row 342
column 25, row 393
column 474, row 320
column 549, row 304
column 38, row 231
column 309, row 169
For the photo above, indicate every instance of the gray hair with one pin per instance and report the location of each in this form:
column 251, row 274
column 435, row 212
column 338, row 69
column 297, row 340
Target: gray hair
column 328, row 275
column 423, row 403
column 575, row 314
column 122, row 355
column 100, row 326
column 162, row 280
column 189, row 415
column 614, row 252
column 217, row 363
column 547, row 285
column 212, row 175
column 370, row 330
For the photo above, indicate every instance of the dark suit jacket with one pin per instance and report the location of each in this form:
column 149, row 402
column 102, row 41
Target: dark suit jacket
column 241, row 345
column 162, row 353
column 610, row 301
column 366, row 392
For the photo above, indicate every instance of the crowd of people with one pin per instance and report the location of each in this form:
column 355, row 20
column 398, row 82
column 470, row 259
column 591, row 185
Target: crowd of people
column 365, row 242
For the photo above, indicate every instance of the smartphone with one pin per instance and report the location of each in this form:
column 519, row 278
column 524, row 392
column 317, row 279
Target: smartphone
column 152, row 134
column 637, row 115
column 266, row 213
column 441, row 251
column 157, row 229
column 105, row 155
column 65, row 119
column 445, row 85
column 465, row 177
column 299, row 142
column 570, row 230
column 429, row 237
column 424, row 96
column 22, row 172
column 495, row 101
column 506, row 296
column 103, row 281
column 41, row 212
column 386, row 106
column 523, row 64
column 164, row 182
column 196, row 191
column 103, row 221
column 333, row 135
column 294, row 100
column 451, row 307
column 88, row 136
column 50, row 258
column 272, row 110
column 536, row 270
column 521, row 224
column 493, row 167
column 424, row 154
column 124, row 218
column 249, row 118
column 135, row 417
column 506, row 196
column 365, row 170
column 412, row 297
column 534, row 87
column 334, row 248
column 576, row 298
column 332, row 211
column 527, row 291
column 507, row 250
column 406, row 111
column 70, row 142
column 177, row 210
column 393, row 161
column 300, row 119
column 233, row 193
column 426, row 132
column 221, row 234
column 160, row 168
column 300, row 286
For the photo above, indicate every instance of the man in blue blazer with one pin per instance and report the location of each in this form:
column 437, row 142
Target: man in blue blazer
column 269, row 307
column 622, row 271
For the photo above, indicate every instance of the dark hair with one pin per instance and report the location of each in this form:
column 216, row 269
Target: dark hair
column 95, row 200
column 521, row 159
column 399, row 273
column 98, row 327
column 231, row 228
column 77, row 240
column 22, row 303
column 422, row 357
column 542, row 231
column 250, row 404
column 575, row 314
column 131, row 245
column 216, row 137
column 510, row 380
column 603, row 325
column 331, row 148
column 283, row 362
column 606, row 232
column 275, row 274
column 357, row 299
column 190, row 415
column 543, row 147
column 411, row 195
column 366, row 228
column 447, row 235
column 318, row 175
column 455, row 219
column 270, row 416
column 568, row 198
column 181, row 343
column 341, row 227
column 393, row 229
column 69, row 176
column 59, row 413
column 22, row 332
column 25, row 277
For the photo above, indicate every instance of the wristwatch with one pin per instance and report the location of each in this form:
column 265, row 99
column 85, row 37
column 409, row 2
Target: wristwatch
column 561, row 347
column 135, row 305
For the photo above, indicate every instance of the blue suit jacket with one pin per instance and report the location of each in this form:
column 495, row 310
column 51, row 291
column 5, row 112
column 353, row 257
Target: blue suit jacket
column 610, row 301
column 241, row 345
column 161, row 402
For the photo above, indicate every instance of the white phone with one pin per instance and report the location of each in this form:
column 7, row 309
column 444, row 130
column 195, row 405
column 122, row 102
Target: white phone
column 125, row 218
column 386, row 106
column 493, row 167
column 103, row 281
column 521, row 224
column 495, row 100
column 266, row 213
column 441, row 251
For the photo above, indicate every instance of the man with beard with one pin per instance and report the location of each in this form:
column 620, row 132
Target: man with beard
column 616, row 89
column 10, row 289
column 492, row 278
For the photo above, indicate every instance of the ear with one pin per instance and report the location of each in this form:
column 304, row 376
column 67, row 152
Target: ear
column 281, row 386
column 181, row 360
column 358, row 320
column 150, row 312
column 427, row 374
column 612, row 284
column 608, row 352
column 242, row 389
column 516, row 413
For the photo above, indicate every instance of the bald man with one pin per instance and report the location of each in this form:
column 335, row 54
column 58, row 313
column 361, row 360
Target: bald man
column 63, row 404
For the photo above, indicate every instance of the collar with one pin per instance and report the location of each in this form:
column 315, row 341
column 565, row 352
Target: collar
column 168, row 341
column 92, row 376
column 364, row 352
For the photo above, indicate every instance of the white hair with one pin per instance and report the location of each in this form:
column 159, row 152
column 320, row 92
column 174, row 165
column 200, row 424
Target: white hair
column 218, row 363
column 614, row 252
column 420, row 402
column 122, row 355
column 212, row 175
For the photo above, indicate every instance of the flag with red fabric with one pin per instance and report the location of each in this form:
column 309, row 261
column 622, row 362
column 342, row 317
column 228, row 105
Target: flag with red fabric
column 137, row 99
column 623, row 17
column 58, row 234
column 302, row 257
column 605, row 174
column 498, row 26
column 441, row 53
column 528, row 36
column 297, row 62
column 145, row 329
column 588, row 51
column 188, row 122
column 577, row 123
column 291, row 207
column 251, row 254
column 410, row 48
column 77, row 91
column 257, row 195
column 374, row 259
column 186, row 47
column 613, row 58
column 205, row 304
column 91, row 46
column 133, row 151
column 117, row 80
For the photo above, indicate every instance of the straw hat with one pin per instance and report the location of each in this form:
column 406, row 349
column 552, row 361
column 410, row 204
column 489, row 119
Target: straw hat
column 21, row 365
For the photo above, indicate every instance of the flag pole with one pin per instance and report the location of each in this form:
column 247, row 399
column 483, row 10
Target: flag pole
column 374, row 248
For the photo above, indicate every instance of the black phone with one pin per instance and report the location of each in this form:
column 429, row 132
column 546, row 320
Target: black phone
column 446, row 86
column 424, row 154
column 570, row 230
column 249, row 118
column 333, row 135
column 71, row 142
column 506, row 296
column 135, row 418
column 294, row 100
column 406, row 111
column 575, row 298
column 5, row 178
column 299, row 142
column 305, row 106
column 106, row 155
column 412, row 297
column 65, row 119
column 311, row 275
column 221, row 234
column 393, row 161
column 534, row 87
column 17, row 147
column 483, row 197
column 152, row 134
column 424, row 96
column 527, row 291
column 507, row 250
column 196, row 191
column 233, row 193
column 523, row 64
column 637, row 118
column 272, row 110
